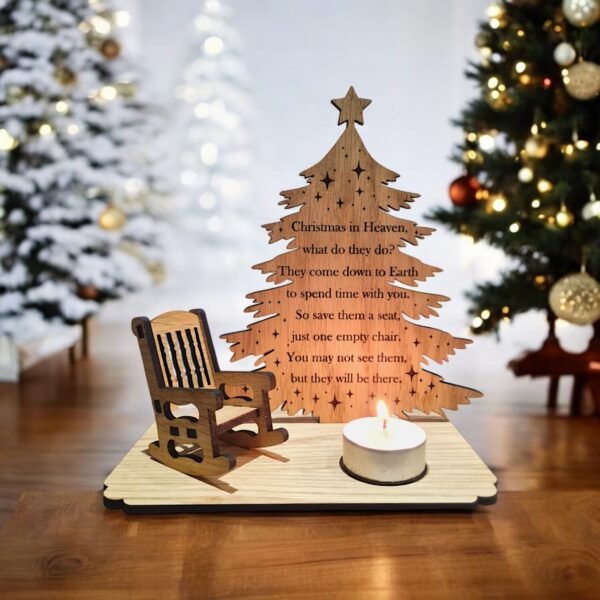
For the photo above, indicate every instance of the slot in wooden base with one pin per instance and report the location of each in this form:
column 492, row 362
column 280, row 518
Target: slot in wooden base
column 303, row 474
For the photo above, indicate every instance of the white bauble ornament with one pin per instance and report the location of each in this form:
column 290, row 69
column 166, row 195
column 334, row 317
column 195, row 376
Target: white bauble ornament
column 564, row 54
column 583, row 80
column 591, row 210
column 581, row 13
column 575, row 298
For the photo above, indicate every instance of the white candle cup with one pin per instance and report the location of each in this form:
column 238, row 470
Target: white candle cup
column 390, row 455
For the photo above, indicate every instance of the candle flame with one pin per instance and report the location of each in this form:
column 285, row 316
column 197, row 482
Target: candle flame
column 382, row 410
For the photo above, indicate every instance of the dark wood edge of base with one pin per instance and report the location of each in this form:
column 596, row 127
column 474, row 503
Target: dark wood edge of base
column 293, row 508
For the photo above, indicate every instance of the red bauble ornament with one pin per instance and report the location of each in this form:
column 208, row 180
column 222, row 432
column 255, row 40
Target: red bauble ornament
column 463, row 190
column 88, row 292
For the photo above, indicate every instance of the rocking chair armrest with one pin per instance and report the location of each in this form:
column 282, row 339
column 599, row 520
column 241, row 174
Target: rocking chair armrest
column 207, row 398
column 257, row 380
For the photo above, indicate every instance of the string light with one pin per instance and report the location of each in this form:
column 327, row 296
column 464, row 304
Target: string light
column 207, row 200
column 485, row 314
column 7, row 141
column 202, row 110
column 122, row 18
column 213, row 45
column 209, row 153
column 108, row 92
column 73, row 129
column 62, row 107
column 567, row 149
column 498, row 203
column 493, row 82
column 520, row 67
column 525, row 174
column 535, row 203
column 477, row 322
column 487, row 142
column 514, row 228
column 45, row 129
column 505, row 310
column 471, row 137
column 544, row 186
column 100, row 24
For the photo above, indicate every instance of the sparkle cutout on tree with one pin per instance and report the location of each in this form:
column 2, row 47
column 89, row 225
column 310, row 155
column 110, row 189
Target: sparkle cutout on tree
column 345, row 322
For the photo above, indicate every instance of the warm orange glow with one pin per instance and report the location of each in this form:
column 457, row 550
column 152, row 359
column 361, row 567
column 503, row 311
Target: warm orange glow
column 383, row 413
column 382, row 410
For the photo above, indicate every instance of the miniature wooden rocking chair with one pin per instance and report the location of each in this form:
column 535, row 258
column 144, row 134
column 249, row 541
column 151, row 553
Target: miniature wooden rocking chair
column 181, row 369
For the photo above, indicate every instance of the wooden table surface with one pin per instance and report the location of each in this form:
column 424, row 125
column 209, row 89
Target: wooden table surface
column 64, row 429
column 530, row 545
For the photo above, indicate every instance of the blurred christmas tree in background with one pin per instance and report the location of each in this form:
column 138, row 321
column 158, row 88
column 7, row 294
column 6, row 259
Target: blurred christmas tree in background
column 79, row 187
column 215, row 150
column 531, row 158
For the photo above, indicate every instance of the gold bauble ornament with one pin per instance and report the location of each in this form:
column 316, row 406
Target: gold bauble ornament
column 112, row 218
column 157, row 272
column 575, row 298
column 581, row 13
column 110, row 48
column 65, row 76
column 536, row 146
column 583, row 80
column 564, row 217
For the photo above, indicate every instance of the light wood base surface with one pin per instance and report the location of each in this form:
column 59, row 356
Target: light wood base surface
column 302, row 474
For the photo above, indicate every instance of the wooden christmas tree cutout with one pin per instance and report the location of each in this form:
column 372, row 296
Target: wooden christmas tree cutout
column 338, row 330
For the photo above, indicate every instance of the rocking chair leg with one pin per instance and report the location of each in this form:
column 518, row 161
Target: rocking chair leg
column 553, row 393
column 208, row 466
column 577, row 396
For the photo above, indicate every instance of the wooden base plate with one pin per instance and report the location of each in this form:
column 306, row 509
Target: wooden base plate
column 302, row 474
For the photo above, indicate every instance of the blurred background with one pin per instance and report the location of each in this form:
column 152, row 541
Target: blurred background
column 282, row 63
column 409, row 58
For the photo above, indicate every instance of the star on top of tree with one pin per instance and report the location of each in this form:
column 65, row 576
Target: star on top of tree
column 351, row 107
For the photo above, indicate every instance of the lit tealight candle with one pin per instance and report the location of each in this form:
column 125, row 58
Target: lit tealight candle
column 384, row 450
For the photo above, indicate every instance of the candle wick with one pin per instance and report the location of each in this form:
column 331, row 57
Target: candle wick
column 385, row 424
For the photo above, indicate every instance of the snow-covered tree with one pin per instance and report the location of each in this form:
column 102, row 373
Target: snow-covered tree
column 215, row 150
column 76, row 176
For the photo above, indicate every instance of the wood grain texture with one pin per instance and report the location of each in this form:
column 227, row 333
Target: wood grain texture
column 304, row 473
column 338, row 329
column 530, row 545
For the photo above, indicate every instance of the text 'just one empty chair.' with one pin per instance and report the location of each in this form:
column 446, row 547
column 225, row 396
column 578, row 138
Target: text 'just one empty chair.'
column 182, row 370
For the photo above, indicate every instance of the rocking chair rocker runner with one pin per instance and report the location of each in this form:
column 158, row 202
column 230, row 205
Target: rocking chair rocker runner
column 181, row 369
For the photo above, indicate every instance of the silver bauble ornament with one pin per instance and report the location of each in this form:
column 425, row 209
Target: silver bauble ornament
column 575, row 298
column 583, row 80
column 581, row 13
column 564, row 54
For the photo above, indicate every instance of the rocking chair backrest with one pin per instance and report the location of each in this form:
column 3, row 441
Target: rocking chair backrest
column 184, row 349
